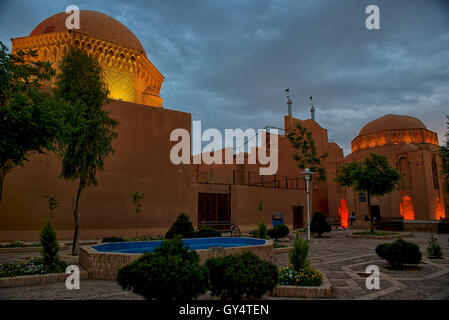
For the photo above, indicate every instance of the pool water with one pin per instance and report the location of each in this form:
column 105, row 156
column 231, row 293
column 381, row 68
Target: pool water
column 192, row 244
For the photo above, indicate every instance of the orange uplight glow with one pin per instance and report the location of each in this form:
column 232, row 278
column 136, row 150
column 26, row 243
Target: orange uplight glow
column 407, row 210
column 343, row 213
column 439, row 212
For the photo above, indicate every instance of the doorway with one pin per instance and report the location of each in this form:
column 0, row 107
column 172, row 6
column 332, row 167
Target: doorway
column 214, row 207
column 298, row 217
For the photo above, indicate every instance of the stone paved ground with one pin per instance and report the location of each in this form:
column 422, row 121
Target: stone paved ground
column 344, row 261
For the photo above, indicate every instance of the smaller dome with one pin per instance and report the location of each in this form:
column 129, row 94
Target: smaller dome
column 392, row 122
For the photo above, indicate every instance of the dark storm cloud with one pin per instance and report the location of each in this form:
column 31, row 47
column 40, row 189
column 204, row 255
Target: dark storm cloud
column 229, row 62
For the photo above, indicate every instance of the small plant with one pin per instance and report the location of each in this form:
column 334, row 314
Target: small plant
column 298, row 255
column 246, row 274
column 260, row 206
column 49, row 243
column 52, row 204
column 170, row 272
column 399, row 252
column 261, row 231
column 319, row 224
column 434, row 249
column 279, row 231
column 300, row 272
column 208, row 232
column 182, row 226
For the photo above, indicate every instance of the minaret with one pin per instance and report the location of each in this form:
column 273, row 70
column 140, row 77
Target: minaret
column 312, row 109
column 289, row 102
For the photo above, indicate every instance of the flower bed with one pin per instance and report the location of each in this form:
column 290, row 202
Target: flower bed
column 31, row 267
column 324, row 290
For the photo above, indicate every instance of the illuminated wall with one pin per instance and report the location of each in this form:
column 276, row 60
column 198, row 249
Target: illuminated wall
column 407, row 210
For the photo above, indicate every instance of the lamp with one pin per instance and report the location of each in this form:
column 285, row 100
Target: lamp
column 308, row 176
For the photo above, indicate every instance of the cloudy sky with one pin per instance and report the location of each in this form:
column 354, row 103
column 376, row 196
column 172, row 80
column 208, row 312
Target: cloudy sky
column 228, row 62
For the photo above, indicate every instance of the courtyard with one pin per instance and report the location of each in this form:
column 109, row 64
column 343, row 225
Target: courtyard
column 342, row 259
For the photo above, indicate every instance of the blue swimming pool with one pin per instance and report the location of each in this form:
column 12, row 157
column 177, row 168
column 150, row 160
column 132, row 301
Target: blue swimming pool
column 193, row 244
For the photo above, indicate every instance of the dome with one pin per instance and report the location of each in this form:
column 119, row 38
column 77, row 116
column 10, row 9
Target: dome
column 94, row 24
column 392, row 122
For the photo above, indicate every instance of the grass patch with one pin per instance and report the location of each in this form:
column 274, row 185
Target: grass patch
column 375, row 233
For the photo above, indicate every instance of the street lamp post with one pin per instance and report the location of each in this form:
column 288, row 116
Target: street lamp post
column 308, row 176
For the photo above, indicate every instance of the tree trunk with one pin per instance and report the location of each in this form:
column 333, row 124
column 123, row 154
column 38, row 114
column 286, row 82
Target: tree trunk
column 76, row 216
column 371, row 222
column 2, row 176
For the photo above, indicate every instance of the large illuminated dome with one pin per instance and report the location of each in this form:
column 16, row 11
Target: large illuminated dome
column 393, row 129
column 128, row 72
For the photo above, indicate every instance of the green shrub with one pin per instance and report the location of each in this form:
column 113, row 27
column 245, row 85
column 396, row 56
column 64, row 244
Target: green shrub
column 261, row 231
column 319, row 224
column 208, row 232
column 279, row 231
column 399, row 252
column 298, row 255
column 182, row 226
column 143, row 238
column 49, row 243
column 113, row 239
column 170, row 272
column 308, row 276
column 233, row 276
column 434, row 249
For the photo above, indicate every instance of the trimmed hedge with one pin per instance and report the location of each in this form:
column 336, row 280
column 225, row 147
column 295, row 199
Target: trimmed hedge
column 399, row 252
column 170, row 272
column 208, row 232
column 113, row 239
column 279, row 231
column 233, row 276
column 182, row 226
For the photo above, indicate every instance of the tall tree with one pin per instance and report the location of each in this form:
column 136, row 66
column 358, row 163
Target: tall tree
column 444, row 154
column 373, row 175
column 83, row 150
column 307, row 157
column 30, row 118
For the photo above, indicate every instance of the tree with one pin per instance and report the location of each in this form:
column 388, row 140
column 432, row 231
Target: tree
column 52, row 205
column 444, row 155
column 373, row 175
column 137, row 196
column 31, row 119
column 89, row 140
column 307, row 157
column 319, row 224
column 49, row 243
